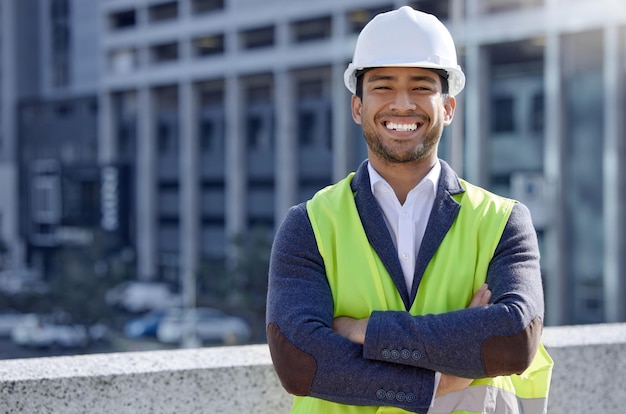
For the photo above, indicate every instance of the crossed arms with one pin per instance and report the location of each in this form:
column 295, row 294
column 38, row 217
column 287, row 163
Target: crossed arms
column 313, row 359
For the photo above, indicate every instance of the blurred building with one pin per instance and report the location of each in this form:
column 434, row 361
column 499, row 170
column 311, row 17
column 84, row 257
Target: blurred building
column 51, row 78
column 217, row 115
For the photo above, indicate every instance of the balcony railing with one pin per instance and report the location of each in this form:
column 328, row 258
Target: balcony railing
column 588, row 377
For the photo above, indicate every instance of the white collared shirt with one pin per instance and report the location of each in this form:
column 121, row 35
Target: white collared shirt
column 406, row 222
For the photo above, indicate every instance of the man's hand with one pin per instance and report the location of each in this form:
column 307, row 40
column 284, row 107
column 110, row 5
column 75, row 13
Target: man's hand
column 481, row 297
column 449, row 383
column 353, row 329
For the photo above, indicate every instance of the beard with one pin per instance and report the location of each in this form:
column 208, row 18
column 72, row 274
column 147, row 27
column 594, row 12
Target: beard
column 387, row 153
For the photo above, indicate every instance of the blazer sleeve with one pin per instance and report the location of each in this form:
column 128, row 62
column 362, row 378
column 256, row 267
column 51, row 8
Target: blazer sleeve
column 498, row 339
column 309, row 358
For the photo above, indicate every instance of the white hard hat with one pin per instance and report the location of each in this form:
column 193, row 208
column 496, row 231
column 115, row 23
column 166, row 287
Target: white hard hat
column 406, row 38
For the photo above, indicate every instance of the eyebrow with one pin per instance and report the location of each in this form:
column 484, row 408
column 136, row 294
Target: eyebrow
column 419, row 78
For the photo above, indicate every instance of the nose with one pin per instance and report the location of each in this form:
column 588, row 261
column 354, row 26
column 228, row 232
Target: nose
column 403, row 101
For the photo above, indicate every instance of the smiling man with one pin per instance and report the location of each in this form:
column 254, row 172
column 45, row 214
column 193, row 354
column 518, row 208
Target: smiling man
column 403, row 288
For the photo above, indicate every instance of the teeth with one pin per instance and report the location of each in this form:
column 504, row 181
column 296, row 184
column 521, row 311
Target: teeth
column 401, row 127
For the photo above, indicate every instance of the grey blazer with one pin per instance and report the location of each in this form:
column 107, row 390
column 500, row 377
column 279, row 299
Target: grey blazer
column 311, row 360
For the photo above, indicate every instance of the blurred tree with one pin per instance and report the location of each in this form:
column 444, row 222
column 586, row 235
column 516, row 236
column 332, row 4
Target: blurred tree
column 241, row 286
column 83, row 274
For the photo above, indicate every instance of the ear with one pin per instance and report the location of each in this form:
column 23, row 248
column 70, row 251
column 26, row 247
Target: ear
column 357, row 105
column 449, row 105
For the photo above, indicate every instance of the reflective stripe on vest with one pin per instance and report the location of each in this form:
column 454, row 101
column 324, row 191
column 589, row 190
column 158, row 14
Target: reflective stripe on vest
column 471, row 240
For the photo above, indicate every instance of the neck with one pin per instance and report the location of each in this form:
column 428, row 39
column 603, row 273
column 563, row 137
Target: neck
column 403, row 177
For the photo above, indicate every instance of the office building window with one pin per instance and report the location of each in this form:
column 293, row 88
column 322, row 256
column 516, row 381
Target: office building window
column 59, row 9
column 496, row 6
column 358, row 18
column 122, row 60
column 63, row 110
column 166, row 52
column 260, row 127
column 503, row 114
column 257, row 38
column 60, row 42
column 60, row 38
column 60, row 71
column 163, row 11
column 439, row 8
column 209, row 45
column 207, row 135
column 165, row 137
column 206, row 6
column 123, row 20
column 46, row 202
column 311, row 88
column 211, row 134
column 306, row 128
column 312, row 29
column 537, row 113
column 210, row 95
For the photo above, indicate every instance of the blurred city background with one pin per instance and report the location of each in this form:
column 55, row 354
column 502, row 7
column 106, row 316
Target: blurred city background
column 150, row 148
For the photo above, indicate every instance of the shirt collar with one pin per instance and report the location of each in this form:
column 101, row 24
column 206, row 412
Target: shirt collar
column 431, row 179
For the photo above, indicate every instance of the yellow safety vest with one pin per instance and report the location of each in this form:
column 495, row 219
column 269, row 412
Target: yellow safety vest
column 445, row 286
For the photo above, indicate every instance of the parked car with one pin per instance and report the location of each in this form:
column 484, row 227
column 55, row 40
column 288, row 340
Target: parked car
column 211, row 325
column 41, row 331
column 8, row 319
column 137, row 297
column 22, row 281
column 145, row 325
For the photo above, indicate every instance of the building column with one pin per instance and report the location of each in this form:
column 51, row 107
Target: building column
column 146, row 187
column 343, row 146
column 553, row 261
column 286, row 145
column 456, row 131
column 9, row 160
column 613, row 172
column 235, row 164
column 189, row 192
column 107, row 145
column 476, row 110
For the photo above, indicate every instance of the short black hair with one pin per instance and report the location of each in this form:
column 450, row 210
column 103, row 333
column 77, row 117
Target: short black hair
column 443, row 75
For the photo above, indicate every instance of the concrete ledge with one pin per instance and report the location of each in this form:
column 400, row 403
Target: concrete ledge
column 216, row 380
column 589, row 366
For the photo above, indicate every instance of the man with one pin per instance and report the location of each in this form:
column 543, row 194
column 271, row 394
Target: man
column 402, row 287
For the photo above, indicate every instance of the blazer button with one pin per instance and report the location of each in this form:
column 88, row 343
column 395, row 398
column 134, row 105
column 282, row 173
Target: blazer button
column 395, row 354
column 381, row 394
column 416, row 355
column 405, row 353
column 385, row 354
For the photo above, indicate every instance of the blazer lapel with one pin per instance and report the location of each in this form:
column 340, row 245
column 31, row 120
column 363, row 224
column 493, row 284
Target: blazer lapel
column 376, row 230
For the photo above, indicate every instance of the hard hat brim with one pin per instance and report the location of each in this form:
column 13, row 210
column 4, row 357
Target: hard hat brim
column 456, row 77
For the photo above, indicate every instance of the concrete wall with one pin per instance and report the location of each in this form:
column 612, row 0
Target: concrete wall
column 588, row 377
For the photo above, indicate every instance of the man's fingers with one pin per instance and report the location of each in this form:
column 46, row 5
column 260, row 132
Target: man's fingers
column 481, row 297
column 450, row 383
